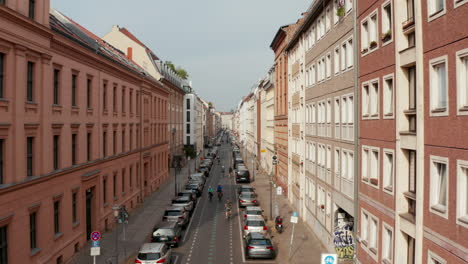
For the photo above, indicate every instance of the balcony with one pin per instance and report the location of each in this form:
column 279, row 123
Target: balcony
column 296, row 159
column 296, row 130
column 295, row 68
column 347, row 131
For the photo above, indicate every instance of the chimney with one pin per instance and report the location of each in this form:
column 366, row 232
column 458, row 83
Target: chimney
column 129, row 53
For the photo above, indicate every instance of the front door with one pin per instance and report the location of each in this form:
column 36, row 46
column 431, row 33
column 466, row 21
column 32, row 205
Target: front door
column 89, row 212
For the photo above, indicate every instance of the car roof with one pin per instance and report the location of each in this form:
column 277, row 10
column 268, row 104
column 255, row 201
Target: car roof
column 151, row 247
column 247, row 193
column 253, row 208
column 174, row 208
column 256, row 235
column 197, row 175
column 246, row 186
column 168, row 224
column 255, row 217
column 182, row 198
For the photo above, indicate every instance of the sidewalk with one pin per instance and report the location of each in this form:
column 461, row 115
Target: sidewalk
column 307, row 248
column 137, row 231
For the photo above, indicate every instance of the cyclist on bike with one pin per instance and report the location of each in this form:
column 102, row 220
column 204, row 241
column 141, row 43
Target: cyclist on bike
column 228, row 207
column 220, row 191
column 210, row 192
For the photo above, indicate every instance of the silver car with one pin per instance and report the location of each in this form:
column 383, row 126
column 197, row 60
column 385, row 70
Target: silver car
column 184, row 201
column 253, row 211
column 255, row 224
column 248, row 199
column 258, row 246
column 177, row 214
column 151, row 253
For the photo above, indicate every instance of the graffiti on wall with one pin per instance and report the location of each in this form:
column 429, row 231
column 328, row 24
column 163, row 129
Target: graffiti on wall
column 343, row 239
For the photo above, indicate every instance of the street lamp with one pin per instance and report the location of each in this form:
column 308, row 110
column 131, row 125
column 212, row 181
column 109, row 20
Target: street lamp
column 116, row 209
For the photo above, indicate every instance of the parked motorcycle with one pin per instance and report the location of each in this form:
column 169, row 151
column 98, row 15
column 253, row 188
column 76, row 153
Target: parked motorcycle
column 279, row 224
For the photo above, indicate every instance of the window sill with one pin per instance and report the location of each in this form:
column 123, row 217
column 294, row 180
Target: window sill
column 409, row 217
column 463, row 219
column 373, row 250
column 439, row 112
column 364, row 242
column 89, row 111
column 58, row 235
column 388, row 189
column 439, row 208
column 34, row 252
column 437, row 14
column 386, row 261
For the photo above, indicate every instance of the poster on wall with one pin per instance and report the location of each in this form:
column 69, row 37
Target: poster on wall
column 343, row 237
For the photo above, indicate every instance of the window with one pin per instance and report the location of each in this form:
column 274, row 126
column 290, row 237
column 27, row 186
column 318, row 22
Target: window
column 439, row 184
column 2, row 143
column 388, row 97
column 3, row 245
column 89, row 83
column 30, row 155
column 365, row 100
column 56, row 151
column 438, row 81
column 364, row 36
column 56, row 86
column 328, row 64
column 104, row 144
column 462, row 192
column 348, row 5
column 88, row 146
column 32, row 231
column 123, row 140
column 337, row 163
column 374, row 99
column 114, row 142
column 336, row 18
column 349, row 54
column 188, row 103
column 374, row 167
column 57, row 217
column 123, row 180
column 412, row 87
column 32, row 9
column 187, row 128
column 365, row 164
column 104, row 97
column 343, row 56
column 433, row 258
column 327, row 20
column 131, row 101
column 387, row 243
column 336, row 60
column 2, row 74
column 388, row 171
column 30, row 82
column 462, row 79
column 74, row 207
column 373, row 235
column 73, row 91
column 104, row 191
column 188, row 140
column 188, row 116
column 123, row 99
column 313, row 79
column 114, row 98
column 73, row 149
column 373, row 30
column 436, row 8
column 114, row 186
column 364, row 227
column 387, row 22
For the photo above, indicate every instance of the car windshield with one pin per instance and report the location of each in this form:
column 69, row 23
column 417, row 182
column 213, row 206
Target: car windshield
column 253, row 212
column 255, row 223
column 172, row 213
column 163, row 232
column 260, row 242
column 248, row 195
column 246, row 190
column 149, row 256
column 179, row 201
column 243, row 173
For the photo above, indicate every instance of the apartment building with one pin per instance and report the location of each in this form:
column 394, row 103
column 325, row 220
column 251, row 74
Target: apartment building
column 322, row 122
column 267, row 112
column 137, row 51
column 71, row 134
column 412, row 80
column 192, row 123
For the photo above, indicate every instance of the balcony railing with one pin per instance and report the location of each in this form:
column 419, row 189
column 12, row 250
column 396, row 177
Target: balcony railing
column 313, row 129
column 337, row 181
column 347, row 131
column 328, row 128
column 337, row 131
column 328, row 174
column 321, row 172
column 347, row 187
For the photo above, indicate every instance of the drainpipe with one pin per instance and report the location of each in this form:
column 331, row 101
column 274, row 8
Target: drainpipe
column 141, row 144
column 356, row 127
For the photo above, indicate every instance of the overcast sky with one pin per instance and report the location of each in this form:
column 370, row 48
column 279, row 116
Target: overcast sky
column 224, row 45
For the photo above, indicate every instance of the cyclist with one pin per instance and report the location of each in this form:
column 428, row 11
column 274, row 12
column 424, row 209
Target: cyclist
column 210, row 192
column 230, row 171
column 220, row 191
column 228, row 207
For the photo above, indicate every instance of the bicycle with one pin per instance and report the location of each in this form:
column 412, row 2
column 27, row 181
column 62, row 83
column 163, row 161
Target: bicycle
column 228, row 213
column 220, row 196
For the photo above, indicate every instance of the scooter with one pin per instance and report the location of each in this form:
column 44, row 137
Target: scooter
column 279, row 224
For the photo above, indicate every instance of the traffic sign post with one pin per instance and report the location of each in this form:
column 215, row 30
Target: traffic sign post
column 95, row 248
column 294, row 219
column 329, row 259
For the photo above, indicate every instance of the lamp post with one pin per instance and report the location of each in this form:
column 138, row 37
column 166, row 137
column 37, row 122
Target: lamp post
column 116, row 209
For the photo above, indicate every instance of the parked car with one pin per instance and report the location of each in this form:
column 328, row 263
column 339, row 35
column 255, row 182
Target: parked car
column 254, row 224
column 186, row 202
column 196, row 187
column 242, row 176
column 245, row 188
column 198, row 175
column 169, row 233
column 189, row 193
column 205, row 171
column 176, row 214
column 151, row 253
column 257, row 245
column 253, row 211
column 196, row 181
column 248, row 199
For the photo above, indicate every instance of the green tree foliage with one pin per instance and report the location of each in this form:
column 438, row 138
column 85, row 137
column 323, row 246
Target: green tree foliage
column 179, row 70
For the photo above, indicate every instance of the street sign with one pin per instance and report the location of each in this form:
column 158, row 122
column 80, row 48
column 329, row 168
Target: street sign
column 95, row 236
column 95, row 243
column 329, row 259
column 95, row 251
column 294, row 218
column 279, row 190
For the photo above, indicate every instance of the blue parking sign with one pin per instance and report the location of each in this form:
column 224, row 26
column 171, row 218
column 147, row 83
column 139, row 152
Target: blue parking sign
column 329, row 259
column 95, row 243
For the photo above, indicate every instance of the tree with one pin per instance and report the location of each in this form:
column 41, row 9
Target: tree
column 210, row 104
column 179, row 70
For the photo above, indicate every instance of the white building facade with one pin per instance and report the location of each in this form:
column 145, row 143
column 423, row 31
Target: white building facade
column 267, row 119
